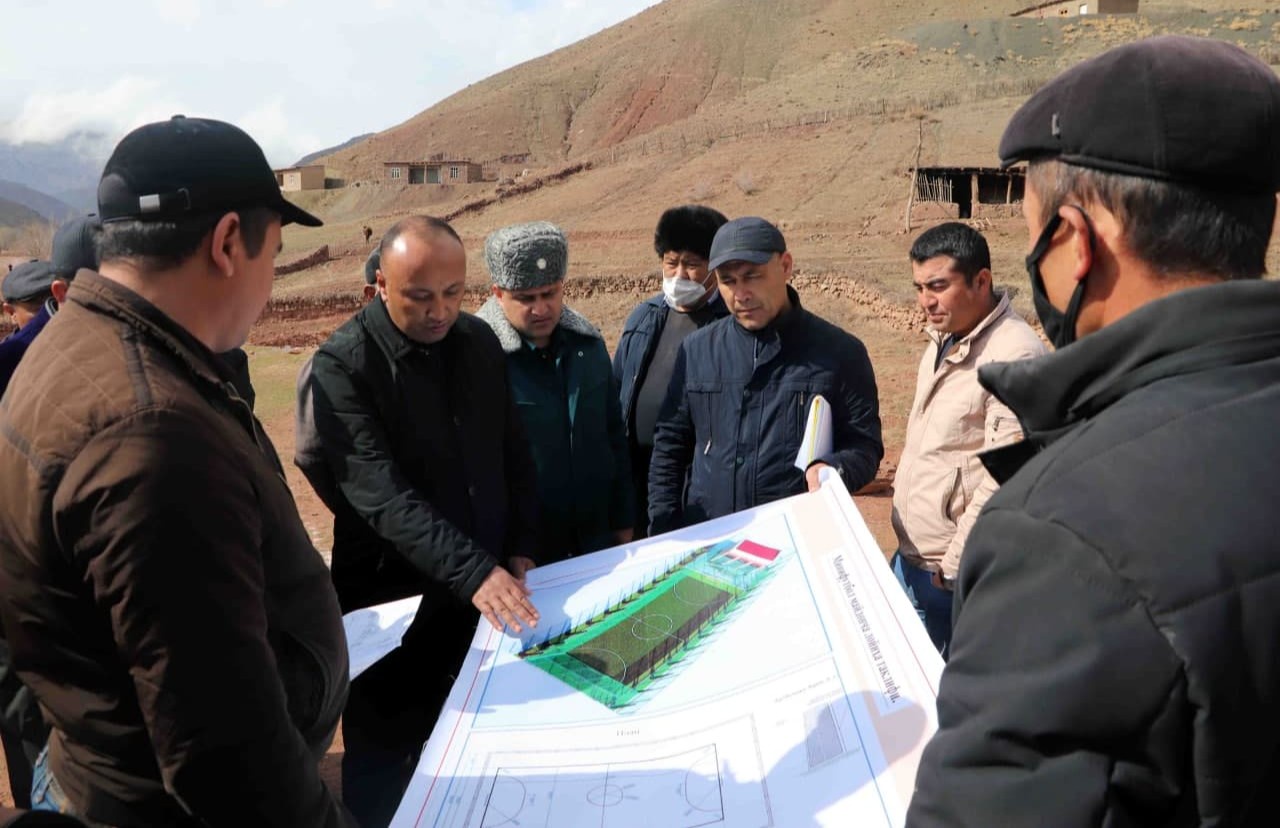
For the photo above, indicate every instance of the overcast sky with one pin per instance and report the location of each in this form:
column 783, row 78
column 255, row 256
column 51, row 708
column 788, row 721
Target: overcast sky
column 299, row 75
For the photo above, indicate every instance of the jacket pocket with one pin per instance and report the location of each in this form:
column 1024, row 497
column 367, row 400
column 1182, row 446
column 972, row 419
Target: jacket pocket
column 953, row 505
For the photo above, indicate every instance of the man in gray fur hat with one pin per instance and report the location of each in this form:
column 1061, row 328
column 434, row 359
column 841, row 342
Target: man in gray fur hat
column 563, row 386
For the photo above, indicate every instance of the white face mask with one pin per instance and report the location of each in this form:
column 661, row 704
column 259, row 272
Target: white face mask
column 682, row 293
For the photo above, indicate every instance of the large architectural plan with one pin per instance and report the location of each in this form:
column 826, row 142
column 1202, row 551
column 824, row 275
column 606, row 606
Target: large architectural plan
column 759, row 670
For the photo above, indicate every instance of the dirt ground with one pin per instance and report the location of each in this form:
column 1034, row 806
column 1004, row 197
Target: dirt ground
column 280, row 344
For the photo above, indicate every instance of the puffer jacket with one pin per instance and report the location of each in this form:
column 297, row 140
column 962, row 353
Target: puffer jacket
column 1114, row 657
column 941, row 485
column 158, row 590
column 569, row 408
column 736, row 411
column 423, row 452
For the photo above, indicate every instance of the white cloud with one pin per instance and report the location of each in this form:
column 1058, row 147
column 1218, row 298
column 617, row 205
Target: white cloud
column 182, row 13
column 48, row 116
column 270, row 127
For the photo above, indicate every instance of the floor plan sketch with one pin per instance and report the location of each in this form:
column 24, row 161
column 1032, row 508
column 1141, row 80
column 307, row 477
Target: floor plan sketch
column 757, row 671
column 679, row 791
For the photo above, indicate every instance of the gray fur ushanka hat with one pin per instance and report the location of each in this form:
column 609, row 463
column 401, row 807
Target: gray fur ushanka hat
column 526, row 256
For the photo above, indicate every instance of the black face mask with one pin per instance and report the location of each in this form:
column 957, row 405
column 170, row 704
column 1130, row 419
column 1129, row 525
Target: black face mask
column 1059, row 326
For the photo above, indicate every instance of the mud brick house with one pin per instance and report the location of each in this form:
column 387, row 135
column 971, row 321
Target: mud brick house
column 293, row 179
column 442, row 171
column 1076, row 8
column 966, row 186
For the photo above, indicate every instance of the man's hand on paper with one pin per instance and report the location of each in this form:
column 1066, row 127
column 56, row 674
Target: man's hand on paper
column 622, row 536
column 505, row 601
column 813, row 476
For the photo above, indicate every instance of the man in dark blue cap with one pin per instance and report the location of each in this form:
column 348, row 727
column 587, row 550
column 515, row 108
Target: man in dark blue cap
column 158, row 591
column 741, row 392
column 1114, row 656
column 29, row 300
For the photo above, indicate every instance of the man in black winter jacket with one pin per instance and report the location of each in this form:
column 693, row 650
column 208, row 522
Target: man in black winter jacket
column 740, row 395
column 435, row 494
column 1114, row 657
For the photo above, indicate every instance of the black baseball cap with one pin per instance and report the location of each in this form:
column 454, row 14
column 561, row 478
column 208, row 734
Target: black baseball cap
column 27, row 281
column 1176, row 108
column 74, row 246
column 190, row 166
column 371, row 266
column 748, row 239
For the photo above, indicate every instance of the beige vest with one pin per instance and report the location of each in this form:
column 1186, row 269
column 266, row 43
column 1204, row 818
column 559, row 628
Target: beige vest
column 941, row 484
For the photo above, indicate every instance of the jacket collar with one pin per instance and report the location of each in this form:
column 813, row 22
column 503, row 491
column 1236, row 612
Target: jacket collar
column 100, row 294
column 385, row 333
column 1193, row 330
column 491, row 314
column 961, row 349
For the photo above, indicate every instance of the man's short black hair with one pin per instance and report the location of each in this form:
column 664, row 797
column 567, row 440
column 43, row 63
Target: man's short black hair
column 421, row 226
column 691, row 227
column 1177, row 229
column 161, row 245
column 959, row 241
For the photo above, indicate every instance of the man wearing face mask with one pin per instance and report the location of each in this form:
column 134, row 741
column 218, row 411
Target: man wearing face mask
column 646, row 354
column 1114, row 656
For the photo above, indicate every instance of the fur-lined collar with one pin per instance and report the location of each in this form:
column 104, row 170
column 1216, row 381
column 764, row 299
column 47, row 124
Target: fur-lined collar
column 491, row 313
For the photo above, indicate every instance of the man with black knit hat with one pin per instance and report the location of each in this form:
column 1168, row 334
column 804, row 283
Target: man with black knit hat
column 1114, row 656
column 159, row 593
column 646, row 352
column 560, row 379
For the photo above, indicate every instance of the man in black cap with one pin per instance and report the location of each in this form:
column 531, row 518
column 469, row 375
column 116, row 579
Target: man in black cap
column 158, row 590
column 651, row 336
column 1114, row 656
column 435, row 494
column 741, row 392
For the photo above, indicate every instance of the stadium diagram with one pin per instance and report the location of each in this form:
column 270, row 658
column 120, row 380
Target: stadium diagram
column 618, row 653
column 677, row 791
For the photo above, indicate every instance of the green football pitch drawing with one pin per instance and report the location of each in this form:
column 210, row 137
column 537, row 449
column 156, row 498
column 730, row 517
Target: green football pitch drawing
column 616, row 654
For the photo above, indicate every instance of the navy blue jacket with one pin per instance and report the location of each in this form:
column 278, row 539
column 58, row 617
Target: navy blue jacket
column 735, row 416
column 639, row 338
column 15, row 345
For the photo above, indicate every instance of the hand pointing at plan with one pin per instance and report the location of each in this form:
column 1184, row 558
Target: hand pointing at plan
column 504, row 600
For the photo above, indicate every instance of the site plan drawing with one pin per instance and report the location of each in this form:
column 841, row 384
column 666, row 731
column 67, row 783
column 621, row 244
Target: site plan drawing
column 761, row 670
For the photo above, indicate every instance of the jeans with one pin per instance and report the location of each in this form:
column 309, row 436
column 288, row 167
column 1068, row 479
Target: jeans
column 46, row 793
column 932, row 604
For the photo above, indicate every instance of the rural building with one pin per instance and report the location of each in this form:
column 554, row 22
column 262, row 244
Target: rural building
column 293, row 179
column 966, row 186
column 1075, row 8
column 443, row 171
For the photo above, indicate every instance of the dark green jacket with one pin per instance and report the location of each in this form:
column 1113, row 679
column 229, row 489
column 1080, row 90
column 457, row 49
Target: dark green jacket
column 568, row 403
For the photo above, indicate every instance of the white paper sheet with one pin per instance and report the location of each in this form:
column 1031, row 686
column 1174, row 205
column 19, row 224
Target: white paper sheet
column 373, row 632
column 817, row 440
column 806, row 700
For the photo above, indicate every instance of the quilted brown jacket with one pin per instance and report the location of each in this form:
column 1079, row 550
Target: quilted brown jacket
column 159, row 592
